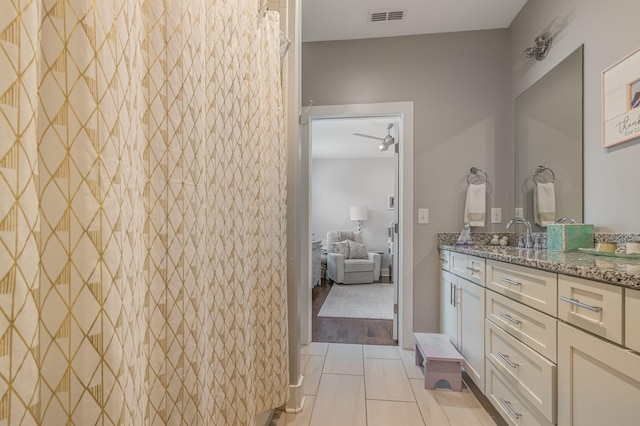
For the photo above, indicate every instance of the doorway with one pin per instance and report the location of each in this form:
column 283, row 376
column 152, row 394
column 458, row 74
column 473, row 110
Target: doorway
column 353, row 187
column 403, row 203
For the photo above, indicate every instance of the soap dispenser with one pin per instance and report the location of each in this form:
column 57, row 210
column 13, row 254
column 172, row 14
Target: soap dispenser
column 465, row 236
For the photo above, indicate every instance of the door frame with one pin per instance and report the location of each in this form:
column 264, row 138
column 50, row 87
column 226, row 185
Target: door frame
column 405, row 264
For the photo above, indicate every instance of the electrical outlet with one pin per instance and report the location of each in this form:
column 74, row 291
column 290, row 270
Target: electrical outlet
column 496, row 215
column 423, row 216
column 519, row 212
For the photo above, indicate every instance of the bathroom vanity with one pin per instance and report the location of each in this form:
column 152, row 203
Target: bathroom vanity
column 549, row 338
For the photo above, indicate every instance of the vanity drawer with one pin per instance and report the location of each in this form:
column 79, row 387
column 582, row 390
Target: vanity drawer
column 632, row 319
column 444, row 259
column 590, row 305
column 458, row 264
column 532, row 287
column 475, row 269
column 535, row 329
column 468, row 267
column 513, row 407
column 529, row 372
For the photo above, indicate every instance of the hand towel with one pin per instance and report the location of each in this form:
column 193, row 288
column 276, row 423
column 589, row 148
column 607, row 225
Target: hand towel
column 475, row 210
column 544, row 204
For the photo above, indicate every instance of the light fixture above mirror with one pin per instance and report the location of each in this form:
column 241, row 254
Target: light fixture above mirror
column 542, row 43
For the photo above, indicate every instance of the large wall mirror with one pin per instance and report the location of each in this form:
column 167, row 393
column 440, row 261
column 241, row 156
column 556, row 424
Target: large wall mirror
column 549, row 127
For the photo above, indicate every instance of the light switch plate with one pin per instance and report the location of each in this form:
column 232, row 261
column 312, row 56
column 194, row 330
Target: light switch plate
column 519, row 212
column 496, row 215
column 423, row 216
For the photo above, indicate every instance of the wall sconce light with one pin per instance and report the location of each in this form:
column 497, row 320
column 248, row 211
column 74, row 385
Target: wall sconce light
column 542, row 43
column 359, row 213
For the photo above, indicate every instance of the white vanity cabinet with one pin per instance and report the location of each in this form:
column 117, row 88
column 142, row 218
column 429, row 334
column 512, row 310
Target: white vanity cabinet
column 520, row 347
column 598, row 382
column 462, row 310
column 557, row 349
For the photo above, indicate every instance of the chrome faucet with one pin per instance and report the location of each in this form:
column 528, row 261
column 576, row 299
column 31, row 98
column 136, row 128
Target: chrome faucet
column 566, row 220
column 527, row 243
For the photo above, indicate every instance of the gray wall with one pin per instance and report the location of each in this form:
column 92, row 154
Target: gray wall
column 336, row 185
column 609, row 31
column 459, row 84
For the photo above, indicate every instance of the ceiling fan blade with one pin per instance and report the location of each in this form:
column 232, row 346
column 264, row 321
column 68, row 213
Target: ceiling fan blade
column 368, row 136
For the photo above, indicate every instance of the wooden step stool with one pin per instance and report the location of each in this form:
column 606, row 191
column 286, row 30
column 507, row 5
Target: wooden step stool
column 441, row 360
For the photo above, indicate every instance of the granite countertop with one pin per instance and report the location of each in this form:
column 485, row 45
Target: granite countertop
column 613, row 270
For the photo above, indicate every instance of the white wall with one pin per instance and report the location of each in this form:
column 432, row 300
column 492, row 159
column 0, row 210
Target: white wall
column 609, row 31
column 338, row 184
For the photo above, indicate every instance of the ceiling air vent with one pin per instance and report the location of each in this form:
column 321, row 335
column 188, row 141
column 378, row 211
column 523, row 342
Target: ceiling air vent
column 386, row 15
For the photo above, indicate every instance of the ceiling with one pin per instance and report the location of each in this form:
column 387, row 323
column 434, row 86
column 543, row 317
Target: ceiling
column 324, row 20
column 334, row 139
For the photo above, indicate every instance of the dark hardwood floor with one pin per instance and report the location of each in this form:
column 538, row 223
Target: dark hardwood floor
column 348, row 330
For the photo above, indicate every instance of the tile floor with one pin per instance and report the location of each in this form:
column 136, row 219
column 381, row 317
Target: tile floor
column 353, row 385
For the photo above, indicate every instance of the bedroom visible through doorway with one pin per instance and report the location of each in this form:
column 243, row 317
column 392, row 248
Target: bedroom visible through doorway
column 353, row 179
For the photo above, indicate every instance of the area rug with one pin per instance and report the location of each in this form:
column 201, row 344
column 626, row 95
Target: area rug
column 371, row 301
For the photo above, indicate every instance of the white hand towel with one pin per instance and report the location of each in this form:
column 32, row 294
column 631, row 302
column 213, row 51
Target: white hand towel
column 544, row 204
column 475, row 210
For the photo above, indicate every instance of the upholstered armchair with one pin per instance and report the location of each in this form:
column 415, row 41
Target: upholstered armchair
column 342, row 268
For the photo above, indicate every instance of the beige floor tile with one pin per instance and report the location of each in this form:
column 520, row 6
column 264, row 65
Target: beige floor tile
column 409, row 360
column 385, row 379
column 385, row 413
column 459, row 410
column 340, row 401
column 343, row 359
column 314, row 348
column 432, row 412
column 311, row 367
column 382, row 352
column 301, row 419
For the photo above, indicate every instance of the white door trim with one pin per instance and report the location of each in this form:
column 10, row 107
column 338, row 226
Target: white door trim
column 405, row 268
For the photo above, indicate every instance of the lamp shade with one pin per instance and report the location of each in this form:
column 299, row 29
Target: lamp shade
column 359, row 213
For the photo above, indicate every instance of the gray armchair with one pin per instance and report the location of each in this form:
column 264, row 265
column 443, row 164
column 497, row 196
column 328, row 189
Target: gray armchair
column 350, row 271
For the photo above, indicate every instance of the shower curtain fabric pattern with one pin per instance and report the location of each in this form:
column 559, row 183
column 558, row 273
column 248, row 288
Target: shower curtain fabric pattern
column 142, row 213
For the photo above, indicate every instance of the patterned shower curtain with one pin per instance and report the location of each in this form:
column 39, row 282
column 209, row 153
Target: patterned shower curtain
column 142, row 213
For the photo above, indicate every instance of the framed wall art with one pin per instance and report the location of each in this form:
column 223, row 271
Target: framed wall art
column 621, row 101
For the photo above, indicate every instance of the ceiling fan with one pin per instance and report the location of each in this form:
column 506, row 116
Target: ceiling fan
column 387, row 141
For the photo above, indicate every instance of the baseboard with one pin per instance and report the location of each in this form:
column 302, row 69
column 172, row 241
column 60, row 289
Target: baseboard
column 295, row 404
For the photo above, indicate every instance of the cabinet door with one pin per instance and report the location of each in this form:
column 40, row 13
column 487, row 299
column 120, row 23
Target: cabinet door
column 632, row 319
column 448, row 309
column 598, row 382
column 471, row 344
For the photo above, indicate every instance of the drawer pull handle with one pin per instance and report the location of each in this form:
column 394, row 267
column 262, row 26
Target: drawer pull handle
column 580, row 304
column 510, row 282
column 511, row 319
column 507, row 405
column 506, row 359
column 473, row 269
column 451, row 294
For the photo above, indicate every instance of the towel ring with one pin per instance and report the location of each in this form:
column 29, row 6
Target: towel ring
column 540, row 170
column 474, row 171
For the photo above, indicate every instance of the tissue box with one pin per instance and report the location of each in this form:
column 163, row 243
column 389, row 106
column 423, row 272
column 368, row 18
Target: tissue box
column 569, row 236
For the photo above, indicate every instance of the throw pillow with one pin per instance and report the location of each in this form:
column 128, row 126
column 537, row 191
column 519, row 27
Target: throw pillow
column 357, row 251
column 341, row 247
